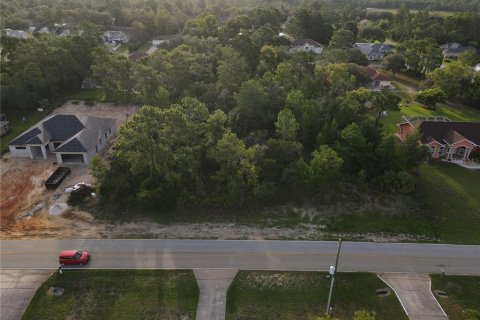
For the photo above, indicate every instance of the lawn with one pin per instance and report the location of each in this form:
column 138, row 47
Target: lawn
column 450, row 196
column 303, row 295
column 116, row 294
column 18, row 126
column 463, row 294
column 452, row 218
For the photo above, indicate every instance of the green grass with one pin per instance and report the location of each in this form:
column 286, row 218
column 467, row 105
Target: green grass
column 17, row 126
column 115, row 294
column 450, row 196
column 445, row 206
column 144, row 47
column 303, row 295
column 463, row 294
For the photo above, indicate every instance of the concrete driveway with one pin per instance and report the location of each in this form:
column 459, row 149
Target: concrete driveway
column 415, row 294
column 17, row 288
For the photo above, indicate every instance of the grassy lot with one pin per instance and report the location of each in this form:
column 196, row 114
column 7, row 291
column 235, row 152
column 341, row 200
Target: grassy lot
column 303, row 295
column 463, row 294
column 453, row 218
column 17, row 126
column 117, row 295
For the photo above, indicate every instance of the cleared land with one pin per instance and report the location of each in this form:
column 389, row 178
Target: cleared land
column 463, row 294
column 303, row 295
column 119, row 295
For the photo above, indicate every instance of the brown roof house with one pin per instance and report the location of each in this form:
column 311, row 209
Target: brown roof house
column 378, row 81
column 449, row 140
column 307, row 45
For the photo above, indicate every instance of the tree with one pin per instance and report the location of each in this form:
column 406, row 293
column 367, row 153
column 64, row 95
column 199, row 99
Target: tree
column 342, row 39
column 394, row 62
column 421, row 56
column 357, row 57
column 324, row 167
column 231, row 72
column 309, row 23
column 469, row 57
column 382, row 101
column 286, row 125
column 236, row 178
column 371, row 34
column 453, row 80
column 430, row 97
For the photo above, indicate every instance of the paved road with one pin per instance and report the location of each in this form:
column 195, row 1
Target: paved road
column 246, row 255
column 415, row 294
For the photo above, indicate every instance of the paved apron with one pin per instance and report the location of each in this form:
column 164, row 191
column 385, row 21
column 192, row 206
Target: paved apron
column 17, row 288
column 415, row 294
column 213, row 284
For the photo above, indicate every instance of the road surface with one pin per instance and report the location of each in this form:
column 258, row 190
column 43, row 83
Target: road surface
column 246, row 255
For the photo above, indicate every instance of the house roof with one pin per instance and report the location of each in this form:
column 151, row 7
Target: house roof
column 417, row 120
column 20, row 34
column 62, row 126
column 453, row 47
column 374, row 74
column 22, row 139
column 72, row 145
column 76, row 134
column 372, row 48
column 301, row 42
column 450, row 132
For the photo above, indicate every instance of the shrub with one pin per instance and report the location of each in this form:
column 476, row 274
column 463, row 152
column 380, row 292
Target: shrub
column 89, row 103
column 79, row 195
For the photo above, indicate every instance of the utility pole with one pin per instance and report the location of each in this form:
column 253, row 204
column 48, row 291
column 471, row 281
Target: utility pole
column 332, row 271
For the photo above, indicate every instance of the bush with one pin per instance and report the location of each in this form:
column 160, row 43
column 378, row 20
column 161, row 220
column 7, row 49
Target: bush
column 90, row 103
column 75, row 102
column 402, row 181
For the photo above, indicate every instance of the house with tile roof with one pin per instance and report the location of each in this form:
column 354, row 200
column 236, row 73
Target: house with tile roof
column 449, row 140
column 373, row 51
column 73, row 139
column 307, row 45
column 114, row 36
column 378, row 81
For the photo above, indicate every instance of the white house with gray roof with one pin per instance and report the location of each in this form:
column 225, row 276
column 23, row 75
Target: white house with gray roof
column 74, row 140
column 453, row 49
column 373, row 51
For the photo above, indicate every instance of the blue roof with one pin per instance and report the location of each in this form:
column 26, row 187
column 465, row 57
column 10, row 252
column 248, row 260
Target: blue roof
column 25, row 137
column 63, row 126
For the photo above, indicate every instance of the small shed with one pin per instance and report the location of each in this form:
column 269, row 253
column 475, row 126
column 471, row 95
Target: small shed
column 88, row 83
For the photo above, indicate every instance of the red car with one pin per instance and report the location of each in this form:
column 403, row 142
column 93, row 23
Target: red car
column 73, row 257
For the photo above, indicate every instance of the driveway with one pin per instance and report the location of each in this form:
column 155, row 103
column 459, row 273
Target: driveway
column 17, row 288
column 415, row 294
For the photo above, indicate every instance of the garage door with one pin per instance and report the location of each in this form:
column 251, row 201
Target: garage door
column 73, row 158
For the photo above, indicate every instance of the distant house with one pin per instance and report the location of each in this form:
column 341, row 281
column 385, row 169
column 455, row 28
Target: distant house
column 378, row 81
column 449, row 140
column 44, row 30
column 453, row 50
column 72, row 139
column 477, row 67
column 62, row 30
column 88, row 83
column 373, row 51
column 4, row 125
column 117, row 37
column 307, row 45
column 19, row 34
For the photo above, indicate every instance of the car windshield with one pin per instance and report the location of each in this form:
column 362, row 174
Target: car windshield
column 77, row 255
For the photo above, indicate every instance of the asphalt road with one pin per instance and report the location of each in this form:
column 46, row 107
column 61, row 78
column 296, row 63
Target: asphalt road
column 246, row 255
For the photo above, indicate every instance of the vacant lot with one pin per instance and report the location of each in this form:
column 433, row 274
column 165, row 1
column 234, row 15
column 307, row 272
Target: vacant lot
column 463, row 295
column 303, row 295
column 117, row 295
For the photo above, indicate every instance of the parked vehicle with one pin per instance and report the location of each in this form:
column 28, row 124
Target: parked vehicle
column 73, row 257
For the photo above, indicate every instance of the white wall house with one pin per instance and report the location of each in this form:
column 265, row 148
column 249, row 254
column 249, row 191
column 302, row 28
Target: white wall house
column 307, row 45
column 71, row 139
